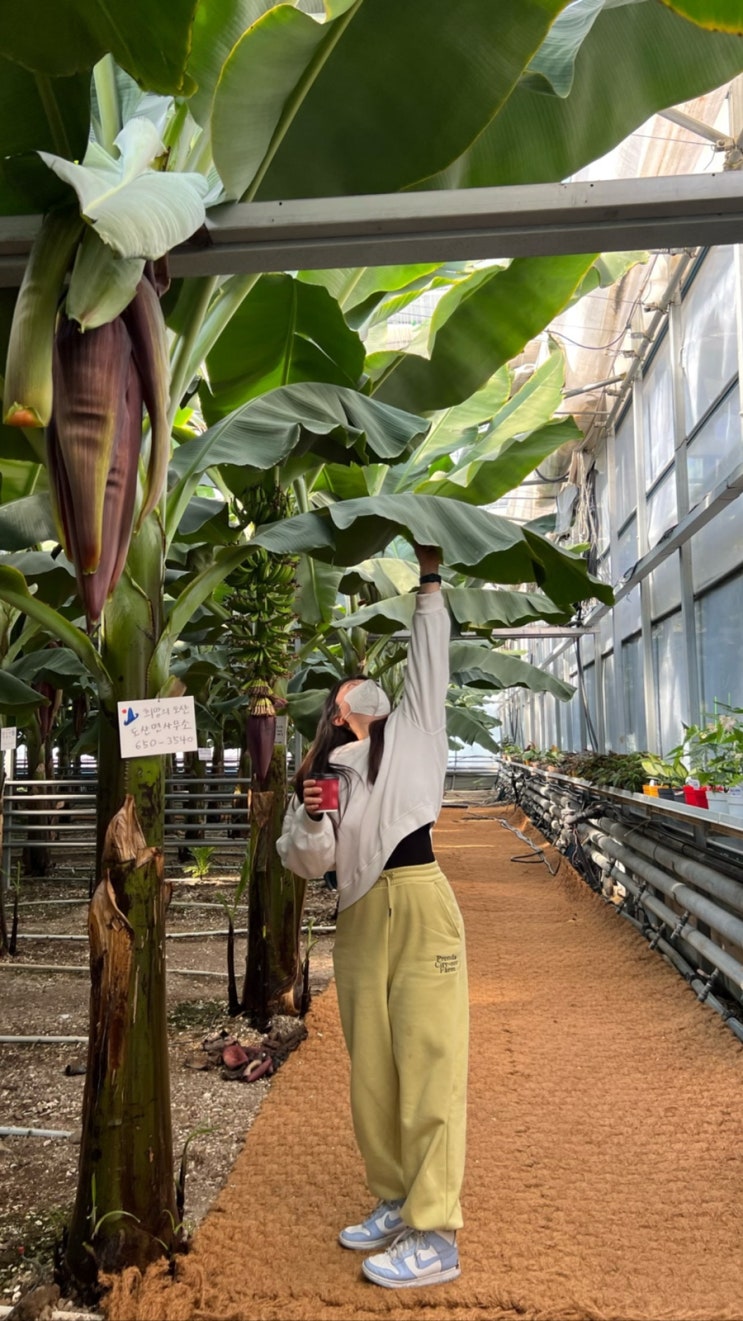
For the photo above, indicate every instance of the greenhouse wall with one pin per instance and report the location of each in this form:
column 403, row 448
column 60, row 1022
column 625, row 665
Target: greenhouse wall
column 669, row 649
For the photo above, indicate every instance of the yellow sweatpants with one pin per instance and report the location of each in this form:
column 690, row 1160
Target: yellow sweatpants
column 401, row 975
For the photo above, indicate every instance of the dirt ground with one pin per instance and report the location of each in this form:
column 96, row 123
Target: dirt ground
column 41, row 1085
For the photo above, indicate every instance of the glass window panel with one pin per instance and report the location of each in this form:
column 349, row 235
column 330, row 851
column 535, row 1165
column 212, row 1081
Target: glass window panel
column 665, row 586
column 624, row 466
column 708, row 333
column 669, row 680
column 538, row 726
column 716, row 449
column 602, row 501
column 525, row 727
column 536, row 722
column 603, row 569
column 657, row 408
column 662, row 508
column 589, row 679
column 635, row 738
column 718, row 616
column 611, row 721
column 550, row 721
column 572, row 722
column 606, row 633
column 627, row 613
column 627, row 553
column 717, row 548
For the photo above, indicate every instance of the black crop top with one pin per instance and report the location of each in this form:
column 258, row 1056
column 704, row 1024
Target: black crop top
column 414, row 850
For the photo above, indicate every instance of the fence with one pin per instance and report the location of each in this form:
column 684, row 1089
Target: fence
column 211, row 812
column 59, row 816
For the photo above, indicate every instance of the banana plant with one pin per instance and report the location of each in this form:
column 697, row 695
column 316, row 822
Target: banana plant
column 365, row 630
column 191, row 107
column 260, row 599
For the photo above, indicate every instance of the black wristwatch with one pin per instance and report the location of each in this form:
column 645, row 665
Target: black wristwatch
column 430, row 578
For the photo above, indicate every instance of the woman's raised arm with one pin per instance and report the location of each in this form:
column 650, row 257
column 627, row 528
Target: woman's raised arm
column 427, row 674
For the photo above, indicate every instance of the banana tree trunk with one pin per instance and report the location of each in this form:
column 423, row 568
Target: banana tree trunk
column 125, row 1211
column 273, row 972
column 4, row 879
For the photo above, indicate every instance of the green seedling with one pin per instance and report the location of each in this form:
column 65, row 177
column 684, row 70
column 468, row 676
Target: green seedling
column 201, row 864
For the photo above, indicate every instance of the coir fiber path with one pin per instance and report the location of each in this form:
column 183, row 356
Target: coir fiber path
column 605, row 1175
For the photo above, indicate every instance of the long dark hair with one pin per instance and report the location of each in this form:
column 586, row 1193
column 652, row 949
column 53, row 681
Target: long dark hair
column 328, row 737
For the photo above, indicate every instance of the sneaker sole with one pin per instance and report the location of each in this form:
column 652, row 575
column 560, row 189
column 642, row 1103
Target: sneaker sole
column 370, row 1245
column 418, row 1283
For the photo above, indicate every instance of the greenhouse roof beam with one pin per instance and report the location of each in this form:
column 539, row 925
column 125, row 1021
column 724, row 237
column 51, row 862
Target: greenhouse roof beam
column 477, row 223
column 468, row 224
column 722, row 141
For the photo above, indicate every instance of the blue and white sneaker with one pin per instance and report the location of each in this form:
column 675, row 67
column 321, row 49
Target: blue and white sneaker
column 417, row 1257
column 380, row 1228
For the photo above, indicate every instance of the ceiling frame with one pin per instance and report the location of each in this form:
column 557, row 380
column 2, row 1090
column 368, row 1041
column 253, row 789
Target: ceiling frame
column 680, row 211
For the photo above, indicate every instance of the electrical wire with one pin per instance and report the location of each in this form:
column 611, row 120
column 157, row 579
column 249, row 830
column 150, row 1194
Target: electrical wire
column 591, row 348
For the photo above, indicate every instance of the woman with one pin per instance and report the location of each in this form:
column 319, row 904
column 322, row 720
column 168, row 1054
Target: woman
column 399, row 950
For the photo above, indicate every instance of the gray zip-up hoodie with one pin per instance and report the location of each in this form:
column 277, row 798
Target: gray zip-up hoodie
column 409, row 788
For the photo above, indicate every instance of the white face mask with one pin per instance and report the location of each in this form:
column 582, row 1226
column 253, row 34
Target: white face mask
column 368, row 699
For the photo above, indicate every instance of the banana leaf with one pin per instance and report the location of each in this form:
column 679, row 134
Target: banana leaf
column 472, row 540
column 265, row 431
column 471, row 607
column 467, row 727
column 351, row 105
column 296, row 332
column 17, row 699
column 317, row 591
column 483, row 667
column 619, row 80
column 63, row 37
column 488, row 321
column 720, row 15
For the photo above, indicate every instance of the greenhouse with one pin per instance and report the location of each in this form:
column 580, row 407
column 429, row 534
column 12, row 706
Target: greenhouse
column 371, row 727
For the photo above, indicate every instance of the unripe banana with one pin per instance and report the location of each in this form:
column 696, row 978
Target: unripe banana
column 146, row 325
column 28, row 391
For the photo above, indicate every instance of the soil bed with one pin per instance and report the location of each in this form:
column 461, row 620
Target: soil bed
column 41, row 1086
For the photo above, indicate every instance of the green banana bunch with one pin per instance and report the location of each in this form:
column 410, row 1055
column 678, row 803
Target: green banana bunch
column 260, row 600
column 89, row 389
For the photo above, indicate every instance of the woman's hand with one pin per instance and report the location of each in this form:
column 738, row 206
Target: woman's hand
column 312, row 798
column 429, row 558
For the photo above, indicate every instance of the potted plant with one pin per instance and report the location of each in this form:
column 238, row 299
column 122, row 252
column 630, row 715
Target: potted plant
column 667, row 776
column 715, row 753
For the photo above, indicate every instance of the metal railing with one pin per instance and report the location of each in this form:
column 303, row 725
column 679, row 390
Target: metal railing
column 59, row 816
column 675, row 872
column 211, row 811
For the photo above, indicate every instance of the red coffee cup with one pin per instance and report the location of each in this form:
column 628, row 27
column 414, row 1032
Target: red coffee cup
column 330, row 785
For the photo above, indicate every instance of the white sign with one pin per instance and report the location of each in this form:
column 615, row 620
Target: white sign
column 281, row 730
column 148, row 729
column 8, row 738
column 205, row 754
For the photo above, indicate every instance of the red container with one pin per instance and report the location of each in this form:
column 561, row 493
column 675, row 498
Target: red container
column 330, row 786
column 695, row 797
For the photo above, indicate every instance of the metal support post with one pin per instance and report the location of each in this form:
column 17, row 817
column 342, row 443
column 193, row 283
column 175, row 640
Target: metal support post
column 692, row 705
column 648, row 678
